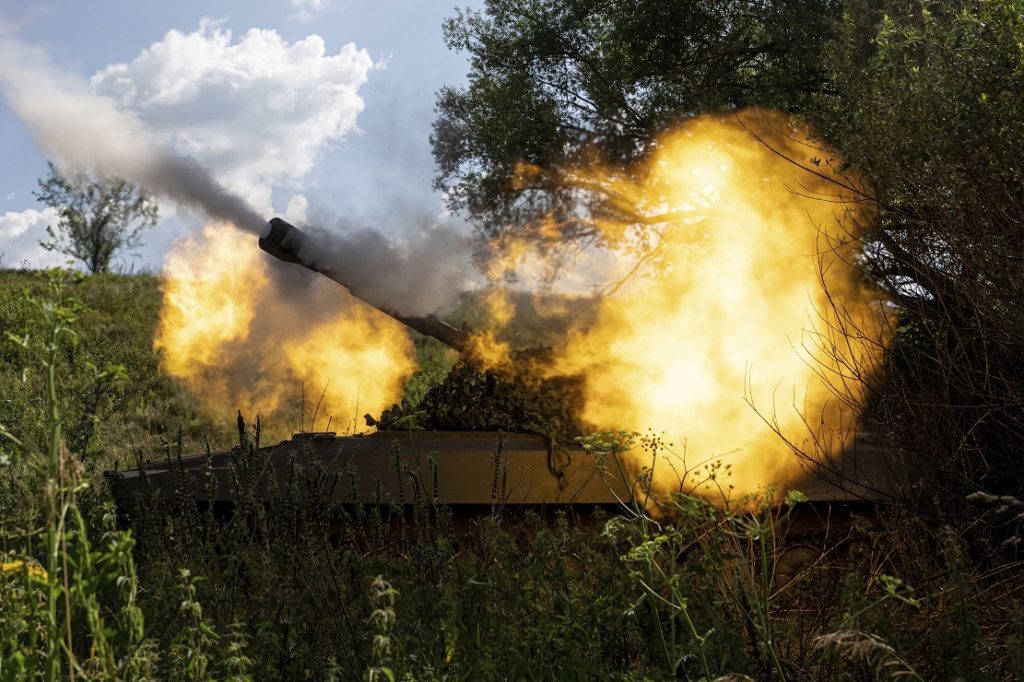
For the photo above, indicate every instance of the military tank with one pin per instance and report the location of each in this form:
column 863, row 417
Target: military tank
column 471, row 471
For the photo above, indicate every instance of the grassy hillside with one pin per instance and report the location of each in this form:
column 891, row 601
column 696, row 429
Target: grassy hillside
column 106, row 419
column 137, row 409
column 141, row 410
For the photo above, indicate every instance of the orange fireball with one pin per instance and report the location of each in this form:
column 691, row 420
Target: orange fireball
column 239, row 338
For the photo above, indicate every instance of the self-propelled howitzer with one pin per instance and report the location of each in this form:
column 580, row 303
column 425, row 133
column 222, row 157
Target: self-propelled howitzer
column 470, row 471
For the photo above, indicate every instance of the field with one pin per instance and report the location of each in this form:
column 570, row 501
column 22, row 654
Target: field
column 291, row 588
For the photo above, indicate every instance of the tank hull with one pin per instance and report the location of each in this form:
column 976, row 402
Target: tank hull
column 470, row 472
column 457, row 469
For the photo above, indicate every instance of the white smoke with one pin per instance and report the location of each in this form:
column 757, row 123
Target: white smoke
column 81, row 129
column 96, row 126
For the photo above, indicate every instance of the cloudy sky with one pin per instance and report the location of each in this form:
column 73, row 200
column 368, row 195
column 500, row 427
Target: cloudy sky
column 312, row 109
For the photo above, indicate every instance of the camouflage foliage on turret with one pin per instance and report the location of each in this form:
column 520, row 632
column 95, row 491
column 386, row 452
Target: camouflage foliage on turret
column 473, row 399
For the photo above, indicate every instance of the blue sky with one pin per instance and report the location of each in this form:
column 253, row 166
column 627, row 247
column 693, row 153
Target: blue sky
column 369, row 167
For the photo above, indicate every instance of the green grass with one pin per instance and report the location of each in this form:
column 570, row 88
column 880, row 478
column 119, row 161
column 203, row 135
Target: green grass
column 291, row 587
column 110, row 423
column 142, row 410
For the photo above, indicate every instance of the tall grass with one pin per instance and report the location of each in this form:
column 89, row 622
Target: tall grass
column 57, row 603
column 292, row 586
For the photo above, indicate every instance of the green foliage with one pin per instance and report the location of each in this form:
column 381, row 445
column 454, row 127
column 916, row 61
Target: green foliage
column 920, row 96
column 237, row 665
column 113, row 400
column 98, row 217
column 693, row 595
column 290, row 586
column 925, row 104
column 191, row 647
column 461, row 396
column 917, row 106
column 472, row 399
column 382, row 621
column 57, row 607
column 433, row 363
column 550, row 83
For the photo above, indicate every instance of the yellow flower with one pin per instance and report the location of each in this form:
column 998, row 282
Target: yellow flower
column 34, row 569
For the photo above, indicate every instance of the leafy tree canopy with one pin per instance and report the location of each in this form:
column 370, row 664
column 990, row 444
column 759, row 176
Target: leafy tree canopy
column 925, row 101
column 921, row 97
column 551, row 81
column 98, row 216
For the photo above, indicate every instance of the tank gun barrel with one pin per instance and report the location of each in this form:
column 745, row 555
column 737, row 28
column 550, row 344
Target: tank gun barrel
column 285, row 242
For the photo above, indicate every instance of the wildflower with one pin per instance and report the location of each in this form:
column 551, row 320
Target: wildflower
column 34, row 569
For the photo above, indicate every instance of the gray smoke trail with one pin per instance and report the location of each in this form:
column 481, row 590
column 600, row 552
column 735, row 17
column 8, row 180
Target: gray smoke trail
column 82, row 129
column 419, row 277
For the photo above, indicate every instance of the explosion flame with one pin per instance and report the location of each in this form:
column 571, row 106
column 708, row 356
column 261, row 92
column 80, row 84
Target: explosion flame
column 237, row 337
column 746, row 319
column 743, row 333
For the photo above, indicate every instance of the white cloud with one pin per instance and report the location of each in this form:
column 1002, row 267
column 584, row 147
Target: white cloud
column 14, row 224
column 256, row 111
column 297, row 210
column 20, row 234
column 305, row 10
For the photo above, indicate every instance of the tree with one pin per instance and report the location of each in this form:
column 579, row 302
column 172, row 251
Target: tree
column 98, row 216
column 924, row 100
column 549, row 81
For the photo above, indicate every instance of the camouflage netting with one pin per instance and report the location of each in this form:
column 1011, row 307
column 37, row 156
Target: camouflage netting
column 471, row 399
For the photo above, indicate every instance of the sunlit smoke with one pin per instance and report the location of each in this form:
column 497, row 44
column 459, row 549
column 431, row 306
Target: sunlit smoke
column 740, row 317
column 417, row 273
column 239, row 338
column 745, row 318
column 81, row 129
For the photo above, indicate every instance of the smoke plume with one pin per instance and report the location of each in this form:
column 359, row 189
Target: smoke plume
column 419, row 275
column 82, row 129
